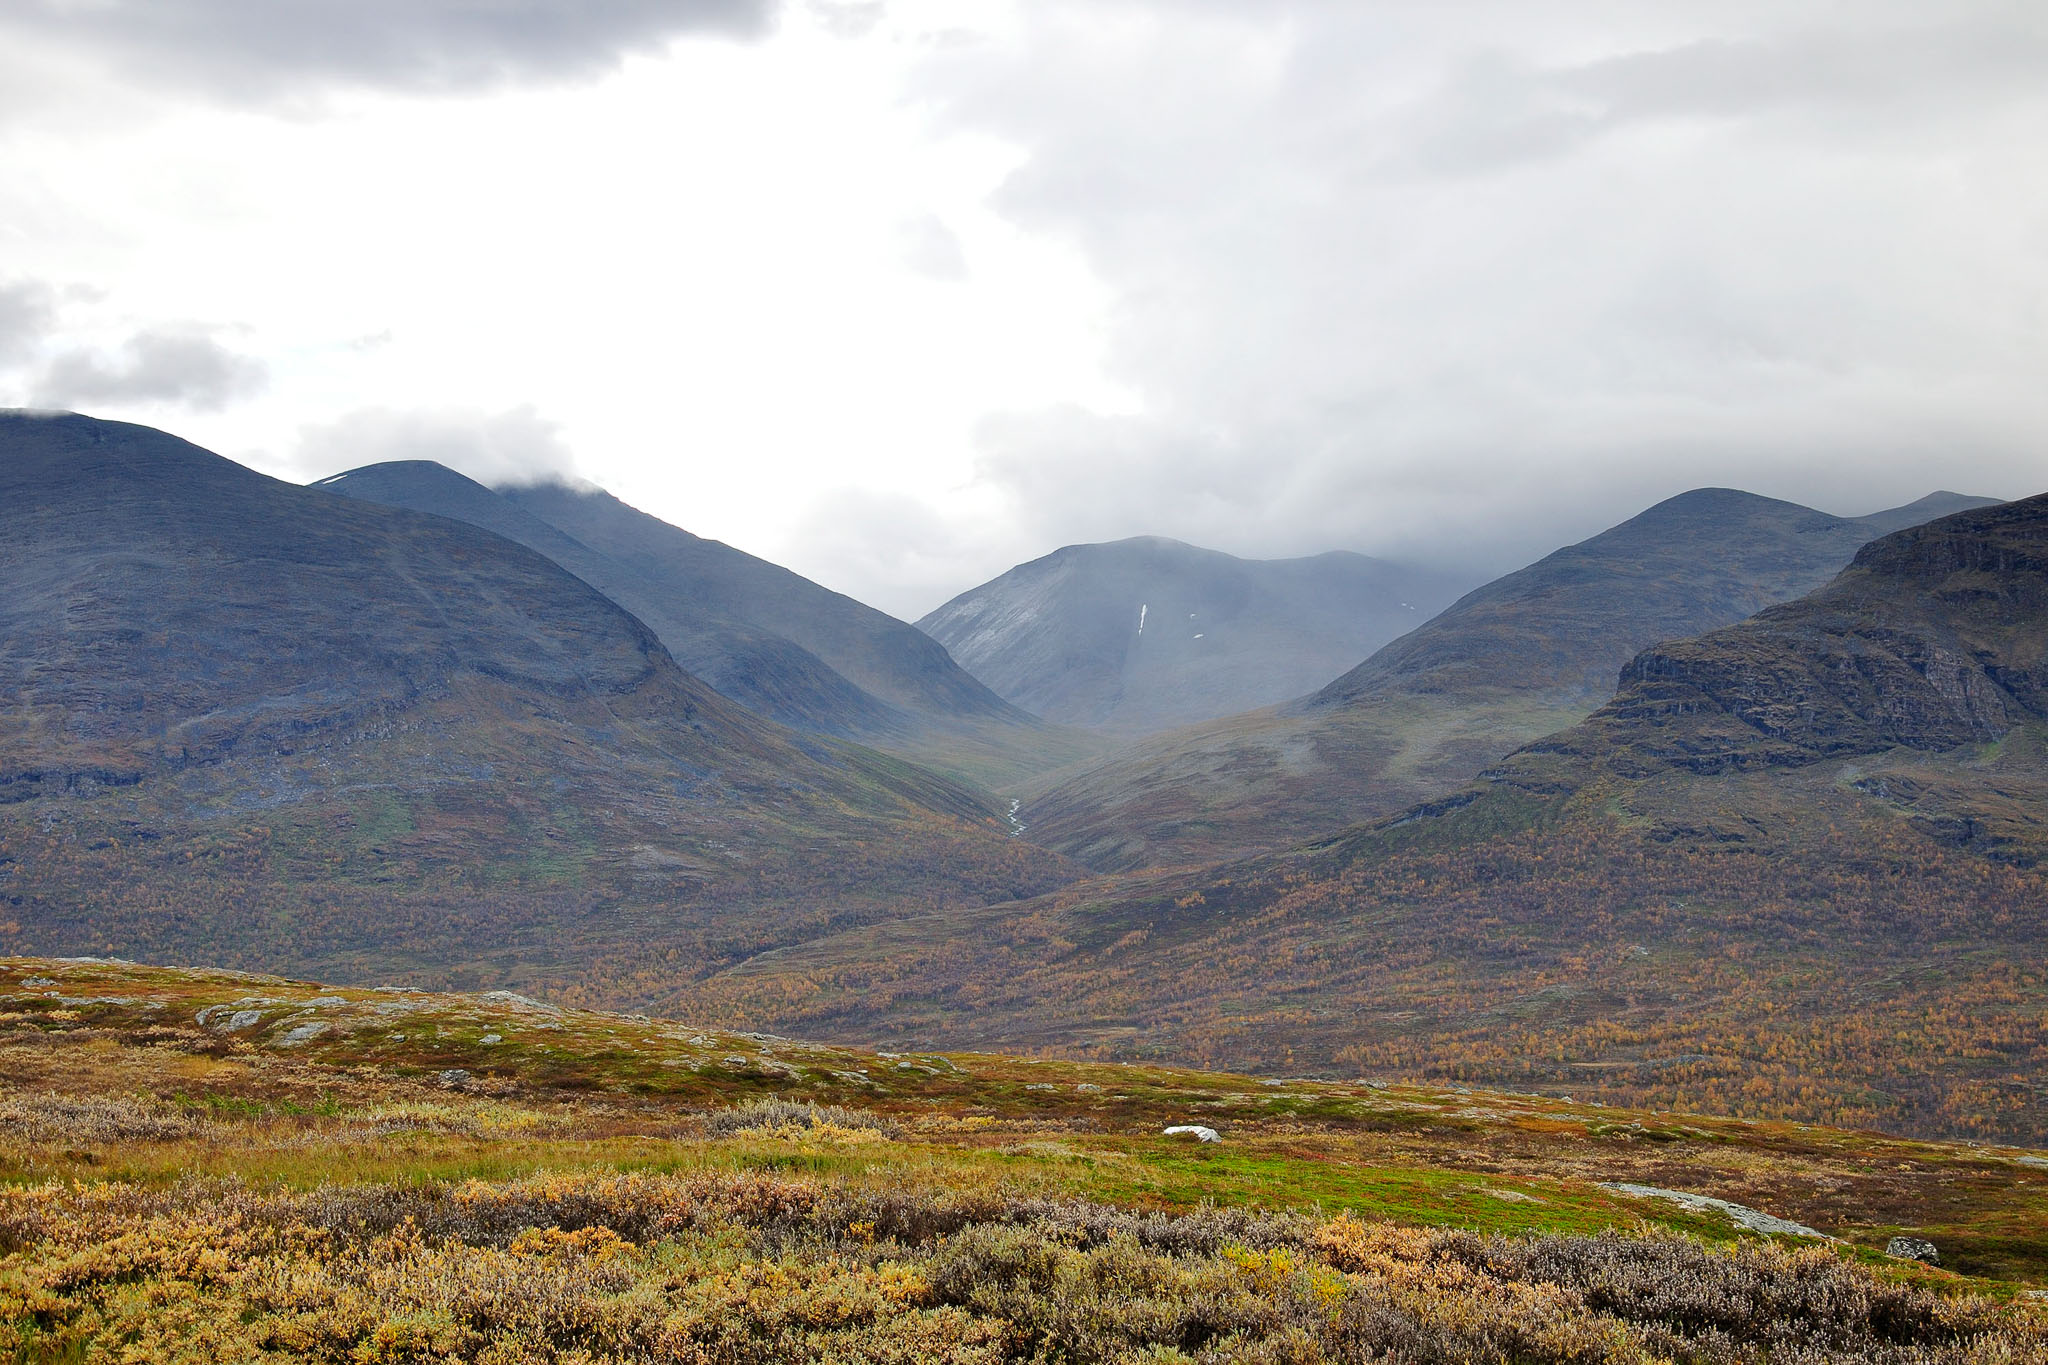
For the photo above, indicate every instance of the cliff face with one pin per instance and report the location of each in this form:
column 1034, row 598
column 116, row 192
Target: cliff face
column 1933, row 638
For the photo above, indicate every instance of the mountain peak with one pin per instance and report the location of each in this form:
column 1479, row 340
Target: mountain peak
column 1138, row 635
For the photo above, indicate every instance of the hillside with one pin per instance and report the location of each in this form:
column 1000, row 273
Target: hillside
column 1791, row 870
column 767, row 674
column 275, row 727
column 769, row 639
column 1524, row 655
column 1147, row 634
column 204, row 1165
column 959, row 726
column 1933, row 640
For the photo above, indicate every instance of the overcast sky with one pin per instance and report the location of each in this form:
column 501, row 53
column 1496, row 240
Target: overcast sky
column 902, row 293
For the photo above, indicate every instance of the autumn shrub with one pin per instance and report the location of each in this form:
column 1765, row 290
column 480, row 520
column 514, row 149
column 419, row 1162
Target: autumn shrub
column 754, row 1267
column 83, row 1120
column 795, row 1118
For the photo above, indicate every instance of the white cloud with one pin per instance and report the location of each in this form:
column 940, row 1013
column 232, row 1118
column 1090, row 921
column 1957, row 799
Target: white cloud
column 900, row 295
column 1472, row 279
column 931, row 248
column 514, row 447
column 28, row 309
column 185, row 367
column 242, row 51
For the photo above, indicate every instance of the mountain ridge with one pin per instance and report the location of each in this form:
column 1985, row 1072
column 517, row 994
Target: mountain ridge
column 767, row 674
column 761, row 635
column 1529, row 653
column 1770, row 881
column 1137, row 635
column 274, row 726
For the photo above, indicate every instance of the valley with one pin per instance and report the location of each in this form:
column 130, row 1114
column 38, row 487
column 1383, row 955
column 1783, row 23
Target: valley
column 1760, row 927
column 1530, row 653
column 839, row 682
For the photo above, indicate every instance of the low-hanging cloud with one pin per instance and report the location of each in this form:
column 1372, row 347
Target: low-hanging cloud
column 518, row 446
column 183, row 367
column 262, row 50
column 28, row 310
column 1477, row 279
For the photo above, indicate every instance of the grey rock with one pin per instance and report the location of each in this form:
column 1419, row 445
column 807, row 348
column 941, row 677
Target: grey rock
column 1740, row 1215
column 1913, row 1249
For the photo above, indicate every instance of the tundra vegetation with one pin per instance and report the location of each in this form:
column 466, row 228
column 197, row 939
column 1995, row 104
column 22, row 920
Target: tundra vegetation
column 212, row 1166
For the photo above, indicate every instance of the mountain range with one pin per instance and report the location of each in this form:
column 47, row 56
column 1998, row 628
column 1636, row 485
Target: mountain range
column 1785, row 859
column 1524, row 655
column 769, row 639
column 249, row 721
column 1147, row 634
column 1791, row 867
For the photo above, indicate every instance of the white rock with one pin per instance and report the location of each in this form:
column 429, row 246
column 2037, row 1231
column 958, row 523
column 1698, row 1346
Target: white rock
column 228, row 1019
column 1738, row 1214
column 1195, row 1131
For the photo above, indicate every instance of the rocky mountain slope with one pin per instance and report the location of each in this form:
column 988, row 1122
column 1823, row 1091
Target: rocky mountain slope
column 1522, row 656
column 767, row 638
column 1143, row 635
column 1793, row 868
column 270, row 725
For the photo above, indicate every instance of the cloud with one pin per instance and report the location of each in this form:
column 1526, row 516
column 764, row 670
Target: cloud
column 1480, row 278
column 932, row 249
column 892, row 551
column 517, row 446
column 185, row 367
column 263, row 50
column 1493, row 109
column 28, row 310
column 848, row 18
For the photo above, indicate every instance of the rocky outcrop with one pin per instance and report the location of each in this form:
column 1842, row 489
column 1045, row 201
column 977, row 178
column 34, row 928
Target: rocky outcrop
column 1932, row 639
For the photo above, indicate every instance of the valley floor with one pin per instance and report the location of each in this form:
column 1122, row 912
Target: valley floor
column 211, row 1166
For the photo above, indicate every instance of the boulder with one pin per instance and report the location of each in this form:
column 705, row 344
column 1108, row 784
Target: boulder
column 1913, row 1249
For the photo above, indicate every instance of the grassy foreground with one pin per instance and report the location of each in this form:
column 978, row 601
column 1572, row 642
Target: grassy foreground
column 208, row 1166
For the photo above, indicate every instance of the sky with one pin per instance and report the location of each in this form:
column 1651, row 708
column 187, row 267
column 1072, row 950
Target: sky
column 902, row 292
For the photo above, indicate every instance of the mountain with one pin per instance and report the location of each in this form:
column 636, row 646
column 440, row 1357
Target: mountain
column 1793, row 868
column 765, row 637
column 1522, row 656
column 1143, row 635
column 269, row 725
column 1919, row 675
column 766, row 673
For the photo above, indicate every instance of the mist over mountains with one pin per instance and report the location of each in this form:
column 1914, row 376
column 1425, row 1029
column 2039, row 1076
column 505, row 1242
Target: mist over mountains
column 1147, row 634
